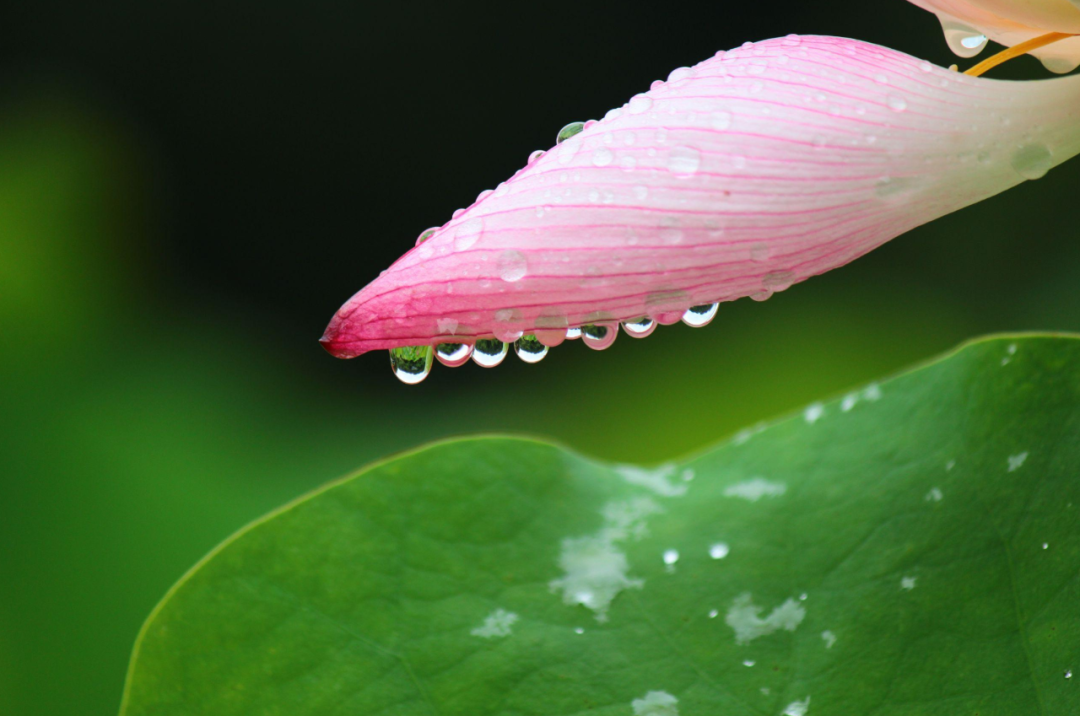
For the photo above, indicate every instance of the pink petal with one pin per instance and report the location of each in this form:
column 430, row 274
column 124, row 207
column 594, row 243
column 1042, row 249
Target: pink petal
column 749, row 172
column 1009, row 23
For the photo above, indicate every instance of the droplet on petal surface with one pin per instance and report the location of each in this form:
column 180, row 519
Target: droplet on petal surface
column 411, row 364
column 569, row 131
column 426, row 234
column 489, row 352
column 1032, row 161
column 512, row 266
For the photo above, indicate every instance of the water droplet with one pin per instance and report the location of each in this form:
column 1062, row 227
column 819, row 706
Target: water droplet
column 639, row 327
column 962, row 39
column 641, row 192
column 896, row 103
column 579, row 630
column 777, row 280
column 598, row 336
column 671, row 556
column 1068, row 673
column 512, row 266
column 426, row 234
column 925, row 66
column 536, row 155
column 489, row 352
column 613, row 113
column 508, row 326
column 530, row 349
column 791, row 41
column 602, row 157
column 411, row 364
column 698, row 316
column 572, row 334
column 628, row 163
column 468, row 233
column 760, row 252
column 719, row 550
column 761, row 295
column 569, row 131
column 683, row 161
column 453, row 354
column 667, row 307
column 638, row 104
column 1032, row 161
column 714, row 613
column 680, row 73
column 1046, row 545
column 748, row 662
column 720, row 120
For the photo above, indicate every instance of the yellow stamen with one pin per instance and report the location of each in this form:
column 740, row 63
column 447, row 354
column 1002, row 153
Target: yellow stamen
column 1015, row 51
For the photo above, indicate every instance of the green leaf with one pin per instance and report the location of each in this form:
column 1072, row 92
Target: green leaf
column 911, row 548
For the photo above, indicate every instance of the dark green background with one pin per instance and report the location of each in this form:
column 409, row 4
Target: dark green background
column 188, row 191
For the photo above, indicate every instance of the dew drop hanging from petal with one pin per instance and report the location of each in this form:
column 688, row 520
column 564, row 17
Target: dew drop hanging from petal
column 489, row 352
column 411, row 364
column 599, row 336
column 529, row 349
column 453, row 355
column 698, row 316
column 639, row 327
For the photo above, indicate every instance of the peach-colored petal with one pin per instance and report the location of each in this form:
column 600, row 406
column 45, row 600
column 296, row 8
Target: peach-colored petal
column 1010, row 22
column 741, row 176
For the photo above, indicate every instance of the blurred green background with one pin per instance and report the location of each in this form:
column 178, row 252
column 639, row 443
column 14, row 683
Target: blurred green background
column 188, row 191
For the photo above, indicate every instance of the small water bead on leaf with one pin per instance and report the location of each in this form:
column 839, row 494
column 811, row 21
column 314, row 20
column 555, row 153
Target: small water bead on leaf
column 453, row 355
column 573, row 333
column 569, row 131
column 896, row 103
column 719, row 550
column 489, row 352
column 698, row 316
column 411, row 364
column 530, row 349
column 599, row 336
column 426, row 234
column 639, row 327
column 1032, row 161
column 535, row 155
column 973, row 42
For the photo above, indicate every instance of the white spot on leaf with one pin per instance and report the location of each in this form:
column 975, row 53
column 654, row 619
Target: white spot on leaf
column 497, row 623
column 755, row 488
column 908, row 583
column 656, row 703
column 829, row 638
column 1016, row 461
column 934, row 495
column 814, row 413
column 595, row 569
column 656, row 479
column 797, row 708
column 744, row 617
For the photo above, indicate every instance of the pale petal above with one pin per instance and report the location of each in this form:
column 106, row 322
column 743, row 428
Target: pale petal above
column 967, row 24
column 741, row 176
